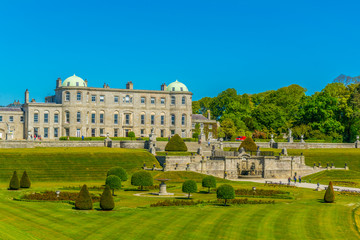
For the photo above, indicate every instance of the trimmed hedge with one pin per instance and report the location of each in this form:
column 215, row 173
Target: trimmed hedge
column 329, row 196
column 84, row 201
column 142, row 179
column 249, row 145
column 107, row 200
column 114, row 182
column 14, row 182
column 176, row 144
column 25, row 181
column 189, row 186
column 225, row 192
column 118, row 171
column 209, row 182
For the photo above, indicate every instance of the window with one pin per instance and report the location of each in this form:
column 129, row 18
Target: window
column 102, row 98
column 162, row 101
column 127, row 99
column 162, row 133
column 116, row 132
column 0, row 118
column 67, row 132
column 142, row 119
column 93, row 132
column 101, row 131
column 162, row 120
column 142, row 132
column 127, row 119
column 152, row 100
column 172, row 119
column 142, row 100
column 56, row 118
column 116, row 118
column 77, row 84
column 183, row 119
column 173, row 89
column 11, row 118
column 101, row 118
column 172, row 132
column 210, row 126
column 36, row 117
column 116, row 99
column 93, row 118
column 56, row 132
column 183, row 101
column 173, row 100
column 36, row 132
column 21, row 119
column 78, row 96
column 67, row 117
column 152, row 119
column 67, row 96
column 46, row 117
column 46, row 132
column 193, row 125
column 93, row 98
column 68, row 84
column 78, row 117
column 181, row 89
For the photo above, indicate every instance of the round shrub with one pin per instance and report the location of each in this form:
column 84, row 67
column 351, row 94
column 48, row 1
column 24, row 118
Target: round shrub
column 189, row 186
column 114, row 182
column 329, row 196
column 142, row 178
column 249, row 145
column 209, row 182
column 83, row 201
column 176, row 144
column 118, row 171
column 25, row 181
column 131, row 135
column 14, row 182
column 107, row 200
column 225, row 192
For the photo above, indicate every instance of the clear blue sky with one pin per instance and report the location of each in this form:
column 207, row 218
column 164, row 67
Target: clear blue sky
column 210, row 46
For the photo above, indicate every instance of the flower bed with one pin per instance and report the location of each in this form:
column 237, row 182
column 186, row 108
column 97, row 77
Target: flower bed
column 52, row 196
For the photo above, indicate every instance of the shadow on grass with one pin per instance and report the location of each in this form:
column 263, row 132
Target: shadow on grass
column 184, row 198
column 205, row 192
column 135, row 190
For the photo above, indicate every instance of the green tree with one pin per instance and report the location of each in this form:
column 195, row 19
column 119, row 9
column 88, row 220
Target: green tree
column 84, row 201
column 25, row 181
column 249, row 145
column 209, row 182
column 114, row 182
column 176, row 144
column 14, row 182
column 228, row 128
column 225, row 192
column 118, row 171
column 189, row 186
column 329, row 196
column 142, row 178
column 131, row 135
column 107, row 200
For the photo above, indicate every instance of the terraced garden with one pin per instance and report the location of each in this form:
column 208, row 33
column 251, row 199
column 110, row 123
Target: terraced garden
column 302, row 215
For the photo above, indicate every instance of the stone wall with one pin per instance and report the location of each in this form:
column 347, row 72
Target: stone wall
column 295, row 145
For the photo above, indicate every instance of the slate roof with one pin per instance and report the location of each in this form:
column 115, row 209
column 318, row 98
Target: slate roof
column 199, row 117
column 10, row 109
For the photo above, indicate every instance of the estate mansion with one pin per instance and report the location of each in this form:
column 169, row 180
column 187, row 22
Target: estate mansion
column 79, row 110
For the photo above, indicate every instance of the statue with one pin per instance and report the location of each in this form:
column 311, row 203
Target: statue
column 290, row 133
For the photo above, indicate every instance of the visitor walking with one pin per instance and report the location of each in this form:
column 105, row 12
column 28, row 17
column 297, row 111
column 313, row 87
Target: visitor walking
column 295, row 179
column 209, row 143
column 299, row 179
column 289, row 180
column 82, row 137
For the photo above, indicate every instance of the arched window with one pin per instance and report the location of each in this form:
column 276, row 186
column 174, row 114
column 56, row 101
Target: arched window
column 116, row 117
column 173, row 101
column 172, row 119
column 78, row 96
column 183, row 100
column 142, row 118
column 78, row 117
column 67, row 96
column 67, row 117
column 183, row 119
column 152, row 119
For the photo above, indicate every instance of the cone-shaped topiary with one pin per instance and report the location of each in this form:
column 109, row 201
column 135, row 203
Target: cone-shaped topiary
column 209, row 182
column 83, row 201
column 249, row 145
column 25, row 181
column 142, row 178
column 114, row 182
column 118, row 171
column 107, row 200
column 329, row 196
column 14, row 182
column 225, row 192
column 189, row 186
column 176, row 144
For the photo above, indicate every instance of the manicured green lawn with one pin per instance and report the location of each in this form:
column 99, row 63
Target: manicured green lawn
column 70, row 164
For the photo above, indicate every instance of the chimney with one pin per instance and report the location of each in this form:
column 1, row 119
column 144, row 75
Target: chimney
column 27, row 96
column 209, row 115
column 86, row 82
column 104, row 86
column 58, row 82
column 130, row 85
column 163, row 87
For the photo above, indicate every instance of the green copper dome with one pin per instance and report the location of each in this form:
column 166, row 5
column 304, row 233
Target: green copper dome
column 177, row 87
column 74, row 81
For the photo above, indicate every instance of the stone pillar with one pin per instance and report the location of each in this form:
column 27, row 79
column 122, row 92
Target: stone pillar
column 58, row 82
column 302, row 139
column 27, row 96
column 272, row 141
column 357, row 142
